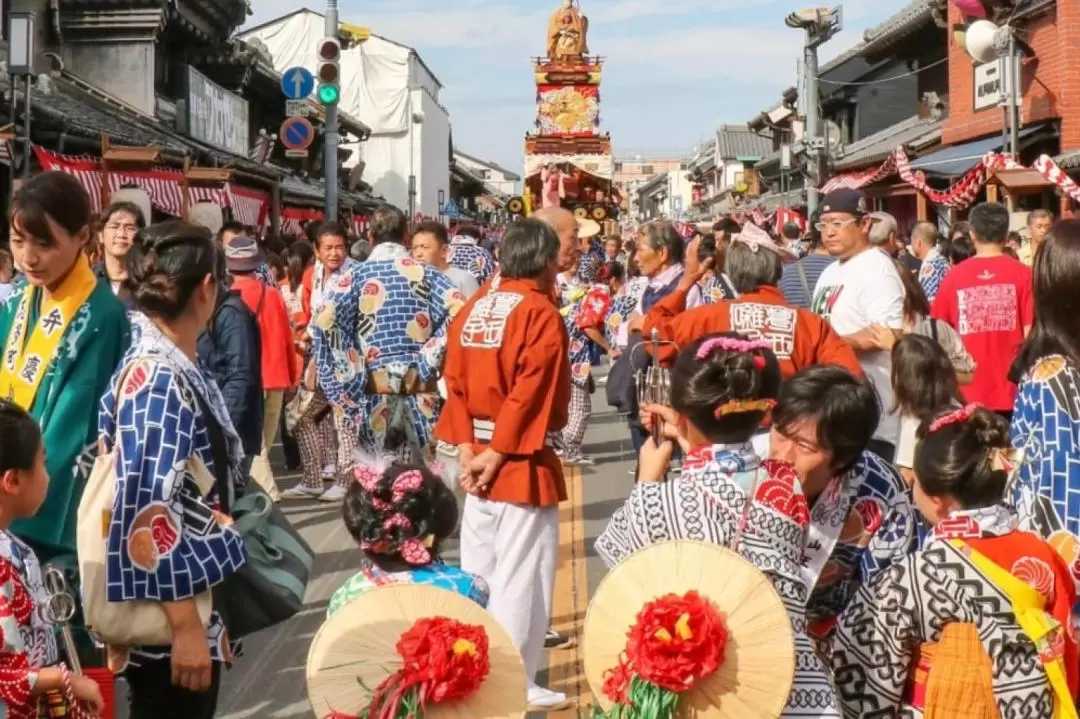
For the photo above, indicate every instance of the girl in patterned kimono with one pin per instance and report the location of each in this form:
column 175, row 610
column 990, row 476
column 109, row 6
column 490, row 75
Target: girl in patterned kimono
column 400, row 517
column 28, row 654
column 980, row 618
column 63, row 334
column 167, row 541
column 721, row 389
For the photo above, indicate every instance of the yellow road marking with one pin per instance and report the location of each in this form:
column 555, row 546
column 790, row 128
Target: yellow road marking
column 566, row 670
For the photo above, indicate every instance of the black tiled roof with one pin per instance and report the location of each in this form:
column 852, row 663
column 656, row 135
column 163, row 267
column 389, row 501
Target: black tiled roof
column 737, row 141
column 911, row 18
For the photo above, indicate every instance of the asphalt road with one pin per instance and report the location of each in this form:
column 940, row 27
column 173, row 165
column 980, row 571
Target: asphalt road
column 267, row 681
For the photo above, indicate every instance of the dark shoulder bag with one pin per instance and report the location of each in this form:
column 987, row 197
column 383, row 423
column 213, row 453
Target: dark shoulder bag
column 270, row 587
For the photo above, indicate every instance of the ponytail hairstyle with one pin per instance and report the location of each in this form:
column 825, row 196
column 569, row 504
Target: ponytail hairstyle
column 963, row 454
column 20, row 438
column 399, row 516
column 725, row 385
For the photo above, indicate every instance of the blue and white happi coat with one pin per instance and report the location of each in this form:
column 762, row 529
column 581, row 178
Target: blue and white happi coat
column 165, row 541
column 388, row 314
column 467, row 254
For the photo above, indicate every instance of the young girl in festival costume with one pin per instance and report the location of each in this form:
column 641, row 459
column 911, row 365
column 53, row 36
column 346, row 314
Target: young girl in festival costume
column 979, row 619
column 721, row 389
column 400, row 516
column 28, row 655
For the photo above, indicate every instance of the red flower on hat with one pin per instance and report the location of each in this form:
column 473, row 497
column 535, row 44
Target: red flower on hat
column 442, row 660
column 674, row 643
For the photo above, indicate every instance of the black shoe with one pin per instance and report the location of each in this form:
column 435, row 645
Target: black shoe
column 554, row 640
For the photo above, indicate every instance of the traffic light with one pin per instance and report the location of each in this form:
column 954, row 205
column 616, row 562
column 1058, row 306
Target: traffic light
column 329, row 73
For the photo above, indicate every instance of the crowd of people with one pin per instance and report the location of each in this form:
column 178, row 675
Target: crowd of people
column 885, row 429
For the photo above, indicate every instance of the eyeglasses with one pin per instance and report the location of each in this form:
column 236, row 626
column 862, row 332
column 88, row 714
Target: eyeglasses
column 834, row 225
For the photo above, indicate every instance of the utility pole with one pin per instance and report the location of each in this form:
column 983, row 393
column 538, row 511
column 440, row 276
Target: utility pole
column 820, row 26
column 330, row 151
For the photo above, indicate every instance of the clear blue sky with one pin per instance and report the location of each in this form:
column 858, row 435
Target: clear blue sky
column 675, row 69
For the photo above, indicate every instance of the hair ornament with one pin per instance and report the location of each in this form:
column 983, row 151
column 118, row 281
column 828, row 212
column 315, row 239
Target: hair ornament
column 405, row 484
column 759, row 361
column 398, row 520
column 731, row 344
column 959, row 415
column 414, row 552
column 367, row 477
column 739, row 406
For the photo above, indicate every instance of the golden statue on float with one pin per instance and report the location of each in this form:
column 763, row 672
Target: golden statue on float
column 568, row 30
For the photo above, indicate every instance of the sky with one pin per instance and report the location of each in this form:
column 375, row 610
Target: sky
column 674, row 69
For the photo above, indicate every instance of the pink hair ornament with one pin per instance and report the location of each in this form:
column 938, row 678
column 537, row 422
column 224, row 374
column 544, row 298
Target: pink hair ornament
column 960, row 415
column 731, row 344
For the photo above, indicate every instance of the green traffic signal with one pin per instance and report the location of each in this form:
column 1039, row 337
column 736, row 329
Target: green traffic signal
column 329, row 94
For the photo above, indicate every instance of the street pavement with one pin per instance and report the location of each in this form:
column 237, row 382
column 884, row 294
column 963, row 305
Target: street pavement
column 267, row 681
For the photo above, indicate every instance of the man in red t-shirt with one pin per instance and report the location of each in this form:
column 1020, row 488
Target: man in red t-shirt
column 987, row 299
column 279, row 371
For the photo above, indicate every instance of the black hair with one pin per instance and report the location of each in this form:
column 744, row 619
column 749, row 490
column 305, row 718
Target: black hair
column 957, row 459
column 960, row 228
column 51, row 195
column 707, row 250
column 989, row 222
column 435, row 229
column 466, row 230
column 615, row 271
column 959, row 249
column 916, row 304
column 237, row 228
column 167, row 263
column 21, row 438
column 846, row 409
column 299, row 255
column 276, row 263
column 129, row 208
column 791, row 231
column 334, row 229
column 923, row 378
column 1055, row 275
column 431, row 511
column 700, row 386
column 728, row 225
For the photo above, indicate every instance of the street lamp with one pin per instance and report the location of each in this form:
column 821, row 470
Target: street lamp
column 20, row 32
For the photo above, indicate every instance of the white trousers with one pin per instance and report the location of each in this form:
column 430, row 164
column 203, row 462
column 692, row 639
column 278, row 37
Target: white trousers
column 515, row 549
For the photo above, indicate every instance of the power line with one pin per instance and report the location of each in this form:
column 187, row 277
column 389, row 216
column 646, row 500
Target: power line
column 881, row 80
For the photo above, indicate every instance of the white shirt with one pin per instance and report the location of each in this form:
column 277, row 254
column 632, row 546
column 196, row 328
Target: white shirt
column 852, row 295
column 463, row 280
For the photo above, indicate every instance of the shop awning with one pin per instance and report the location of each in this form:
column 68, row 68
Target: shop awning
column 956, row 160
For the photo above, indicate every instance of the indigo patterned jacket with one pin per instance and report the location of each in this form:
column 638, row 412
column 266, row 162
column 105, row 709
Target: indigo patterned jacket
column 165, row 542
column 387, row 314
column 466, row 254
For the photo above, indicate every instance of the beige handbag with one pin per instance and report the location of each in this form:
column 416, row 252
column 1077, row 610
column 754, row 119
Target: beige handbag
column 138, row 622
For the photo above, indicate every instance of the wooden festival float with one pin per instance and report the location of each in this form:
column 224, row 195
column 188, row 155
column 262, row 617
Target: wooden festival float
column 568, row 161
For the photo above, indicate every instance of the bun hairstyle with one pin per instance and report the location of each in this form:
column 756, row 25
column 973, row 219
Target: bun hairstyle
column 167, row 263
column 399, row 515
column 963, row 454
column 20, row 438
column 725, row 385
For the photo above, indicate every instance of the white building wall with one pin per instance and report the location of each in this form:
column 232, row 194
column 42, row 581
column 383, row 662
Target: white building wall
column 432, row 141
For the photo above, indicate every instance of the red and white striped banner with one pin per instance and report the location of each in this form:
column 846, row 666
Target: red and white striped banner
column 785, row 216
column 83, row 168
column 249, row 206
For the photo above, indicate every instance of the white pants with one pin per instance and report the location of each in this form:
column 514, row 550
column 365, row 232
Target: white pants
column 514, row 548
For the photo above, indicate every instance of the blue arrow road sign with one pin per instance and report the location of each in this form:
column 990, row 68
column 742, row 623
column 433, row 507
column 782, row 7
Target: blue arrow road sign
column 297, row 83
column 296, row 133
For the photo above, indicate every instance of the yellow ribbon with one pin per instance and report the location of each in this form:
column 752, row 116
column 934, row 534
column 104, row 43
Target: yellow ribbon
column 574, row 298
column 27, row 358
column 1028, row 606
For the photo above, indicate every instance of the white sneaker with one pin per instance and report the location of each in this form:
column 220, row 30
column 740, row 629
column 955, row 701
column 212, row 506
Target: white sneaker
column 544, row 700
column 301, row 492
column 334, row 494
column 329, row 473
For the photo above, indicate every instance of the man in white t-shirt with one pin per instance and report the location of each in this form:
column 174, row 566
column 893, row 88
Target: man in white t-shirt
column 431, row 245
column 862, row 297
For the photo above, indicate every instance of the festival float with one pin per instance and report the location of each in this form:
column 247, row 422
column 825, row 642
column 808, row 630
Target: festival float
column 568, row 161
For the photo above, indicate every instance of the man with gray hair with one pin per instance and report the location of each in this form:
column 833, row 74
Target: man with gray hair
column 883, row 233
column 934, row 265
column 508, row 376
column 379, row 343
column 1039, row 223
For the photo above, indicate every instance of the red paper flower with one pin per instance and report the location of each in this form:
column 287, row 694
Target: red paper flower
column 448, row 659
column 676, row 641
column 617, row 682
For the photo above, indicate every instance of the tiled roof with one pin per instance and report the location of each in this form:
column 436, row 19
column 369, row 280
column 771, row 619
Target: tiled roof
column 1068, row 160
column 851, row 52
column 911, row 18
column 877, row 147
column 737, row 141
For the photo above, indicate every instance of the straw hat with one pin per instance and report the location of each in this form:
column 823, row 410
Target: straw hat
column 355, row 648
column 755, row 678
column 587, row 228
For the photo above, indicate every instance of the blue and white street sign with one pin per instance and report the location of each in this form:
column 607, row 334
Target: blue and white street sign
column 297, row 83
column 451, row 210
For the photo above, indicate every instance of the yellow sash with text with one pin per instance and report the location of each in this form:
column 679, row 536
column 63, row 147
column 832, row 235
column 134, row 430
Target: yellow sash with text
column 29, row 350
column 1041, row 628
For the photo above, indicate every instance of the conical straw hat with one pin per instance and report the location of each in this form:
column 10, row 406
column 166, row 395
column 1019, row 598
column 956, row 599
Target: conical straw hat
column 355, row 648
column 755, row 678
